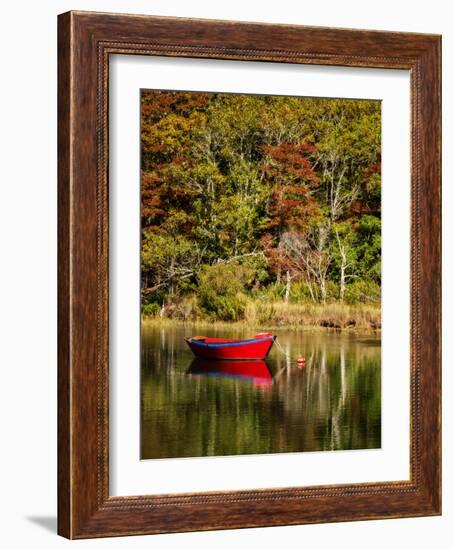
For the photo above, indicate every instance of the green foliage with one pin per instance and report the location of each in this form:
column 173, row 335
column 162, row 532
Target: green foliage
column 283, row 189
column 272, row 292
column 363, row 292
column 220, row 290
column 300, row 293
column 151, row 309
column 368, row 248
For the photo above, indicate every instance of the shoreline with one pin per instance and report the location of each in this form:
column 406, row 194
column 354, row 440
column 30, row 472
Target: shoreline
column 236, row 325
column 333, row 317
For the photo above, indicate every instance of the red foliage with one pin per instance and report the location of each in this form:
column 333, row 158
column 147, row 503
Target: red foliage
column 291, row 207
column 275, row 255
column 288, row 162
column 153, row 202
column 359, row 208
column 156, row 105
column 287, row 168
column 373, row 168
column 370, row 201
column 279, row 259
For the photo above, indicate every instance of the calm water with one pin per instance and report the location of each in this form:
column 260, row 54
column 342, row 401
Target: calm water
column 208, row 409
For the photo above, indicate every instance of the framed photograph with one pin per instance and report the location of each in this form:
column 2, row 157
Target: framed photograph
column 249, row 275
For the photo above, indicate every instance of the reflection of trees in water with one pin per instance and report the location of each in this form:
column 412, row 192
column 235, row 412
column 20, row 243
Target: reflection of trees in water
column 337, row 396
column 331, row 403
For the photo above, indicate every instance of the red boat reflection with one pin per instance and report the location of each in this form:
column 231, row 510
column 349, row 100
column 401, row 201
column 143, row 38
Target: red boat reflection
column 255, row 371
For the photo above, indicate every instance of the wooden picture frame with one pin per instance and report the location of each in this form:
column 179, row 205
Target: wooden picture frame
column 85, row 42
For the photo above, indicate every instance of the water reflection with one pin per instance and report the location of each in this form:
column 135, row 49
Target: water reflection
column 207, row 408
column 256, row 372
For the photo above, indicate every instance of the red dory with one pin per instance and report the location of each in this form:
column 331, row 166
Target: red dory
column 257, row 347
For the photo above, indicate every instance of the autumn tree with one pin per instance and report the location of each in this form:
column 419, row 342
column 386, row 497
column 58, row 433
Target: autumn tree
column 291, row 207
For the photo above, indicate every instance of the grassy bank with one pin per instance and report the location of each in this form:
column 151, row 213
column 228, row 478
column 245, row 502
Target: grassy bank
column 271, row 315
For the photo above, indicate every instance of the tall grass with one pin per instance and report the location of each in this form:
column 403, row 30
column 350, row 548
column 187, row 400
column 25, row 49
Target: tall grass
column 274, row 314
column 334, row 315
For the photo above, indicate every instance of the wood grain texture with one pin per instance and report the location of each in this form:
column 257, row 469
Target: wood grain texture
column 85, row 42
column 64, row 343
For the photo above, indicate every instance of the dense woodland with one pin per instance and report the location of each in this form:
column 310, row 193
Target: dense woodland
column 262, row 202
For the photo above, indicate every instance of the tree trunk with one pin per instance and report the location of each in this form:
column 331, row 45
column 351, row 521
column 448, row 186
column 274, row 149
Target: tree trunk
column 342, row 278
column 287, row 286
column 312, row 294
column 343, row 266
column 323, row 289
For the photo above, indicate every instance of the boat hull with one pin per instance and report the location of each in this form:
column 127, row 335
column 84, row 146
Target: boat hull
column 234, row 350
